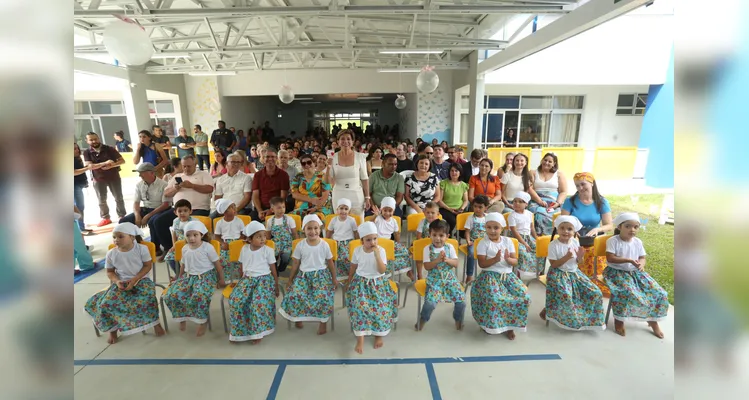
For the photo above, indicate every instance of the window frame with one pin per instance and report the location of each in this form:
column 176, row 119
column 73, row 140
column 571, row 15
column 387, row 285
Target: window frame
column 634, row 109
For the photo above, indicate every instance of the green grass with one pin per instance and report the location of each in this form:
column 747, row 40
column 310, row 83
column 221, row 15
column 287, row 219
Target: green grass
column 658, row 239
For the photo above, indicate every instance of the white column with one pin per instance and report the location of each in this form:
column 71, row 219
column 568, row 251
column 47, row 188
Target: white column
column 475, row 104
column 456, row 117
column 137, row 109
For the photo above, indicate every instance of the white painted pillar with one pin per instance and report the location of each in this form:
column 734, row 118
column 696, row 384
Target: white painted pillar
column 475, row 104
column 136, row 107
column 456, row 117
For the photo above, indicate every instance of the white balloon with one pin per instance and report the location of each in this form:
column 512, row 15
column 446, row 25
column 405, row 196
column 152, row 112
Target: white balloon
column 286, row 95
column 400, row 102
column 127, row 43
column 427, row 81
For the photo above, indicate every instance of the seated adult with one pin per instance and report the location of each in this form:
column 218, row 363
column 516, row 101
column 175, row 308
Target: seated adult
column 440, row 165
column 283, row 164
column 148, row 151
column 484, row 183
column 218, row 167
column 549, row 193
column 454, row 195
column 193, row 185
column 386, row 182
column 268, row 183
column 472, row 168
column 421, row 187
column 235, row 185
column 310, row 190
column 518, row 179
column 150, row 191
column 424, row 149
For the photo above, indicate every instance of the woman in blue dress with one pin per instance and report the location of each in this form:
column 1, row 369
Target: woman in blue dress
column 150, row 152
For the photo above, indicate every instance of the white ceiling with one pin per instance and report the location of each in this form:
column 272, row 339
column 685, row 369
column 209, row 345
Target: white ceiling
column 237, row 35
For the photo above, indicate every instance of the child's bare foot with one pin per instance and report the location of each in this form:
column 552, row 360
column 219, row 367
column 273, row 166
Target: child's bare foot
column 410, row 275
column 112, row 337
column 469, row 279
column 543, row 314
column 254, row 342
column 159, row 330
column 298, row 325
column 378, row 342
column 322, row 329
column 656, row 329
column 510, row 335
column 458, row 325
column 619, row 327
column 201, row 329
column 359, row 344
column 420, row 325
column 183, row 326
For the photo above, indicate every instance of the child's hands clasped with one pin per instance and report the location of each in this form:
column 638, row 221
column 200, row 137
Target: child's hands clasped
column 443, row 256
column 637, row 264
column 224, row 246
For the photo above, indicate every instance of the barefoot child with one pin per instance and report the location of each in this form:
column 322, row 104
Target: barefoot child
column 441, row 259
column 311, row 289
column 475, row 229
column 228, row 229
column 573, row 302
column 431, row 214
column 189, row 297
column 129, row 305
column 252, row 305
column 635, row 295
column 499, row 300
column 522, row 229
column 282, row 229
column 389, row 228
column 182, row 208
column 342, row 229
column 372, row 303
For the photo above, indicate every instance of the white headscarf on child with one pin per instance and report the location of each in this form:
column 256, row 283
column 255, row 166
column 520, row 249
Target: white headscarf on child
column 523, row 196
column 313, row 217
column 253, row 227
column 196, row 226
column 569, row 219
column 343, row 202
column 496, row 217
column 387, row 202
column 624, row 217
column 367, row 228
column 129, row 228
column 222, row 205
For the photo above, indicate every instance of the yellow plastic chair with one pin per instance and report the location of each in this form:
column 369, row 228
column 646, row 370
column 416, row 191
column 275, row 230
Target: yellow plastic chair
column 389, row 247
column 599, row 250
column 331, row 216
column 333, row 249
column 206, row 221
column 542, row 251
column 554, row 218
column 421, row 285
column 460, row 223
column 152, row 251
column 235, row 248
column 244, row 218
column 178, row 245
column 412, row 224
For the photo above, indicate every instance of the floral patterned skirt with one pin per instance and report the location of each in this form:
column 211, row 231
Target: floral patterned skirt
column 310, row 298
column 402, row 262
column 127, row 311
column 443, row 287
column 499, row 302
column 636, row 296
column 573, row 302
column 528, row 264
column 232, row 270
column 189, row 297
column 372, row 306
column 343, row 263
column 252, row 308
column 595, row 272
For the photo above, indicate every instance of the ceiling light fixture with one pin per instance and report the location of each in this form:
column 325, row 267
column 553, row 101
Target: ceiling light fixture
column 212, row 73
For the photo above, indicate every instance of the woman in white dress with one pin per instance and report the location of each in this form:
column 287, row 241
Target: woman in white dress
column 347, row 173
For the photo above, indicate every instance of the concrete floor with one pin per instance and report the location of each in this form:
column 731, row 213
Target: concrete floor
column 437, row 363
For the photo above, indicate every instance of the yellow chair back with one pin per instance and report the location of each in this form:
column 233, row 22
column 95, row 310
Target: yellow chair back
column 178, row 245
column 386, row 244
column 476, row 247
column 244, row 218
column 413, row 220
column 206, row 221
column 507, row 219
column 235, row 248
column 599, row 245
column 332, row 243
column 420, row 244
column 542, row 246
column 151, row 249
column 460, row 220
column 554, row 218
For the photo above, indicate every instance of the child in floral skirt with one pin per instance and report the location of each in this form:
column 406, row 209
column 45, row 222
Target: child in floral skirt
column 342, row 229
column 522, row 228
column 389, row 228
column 228, row 229
column 282, row 230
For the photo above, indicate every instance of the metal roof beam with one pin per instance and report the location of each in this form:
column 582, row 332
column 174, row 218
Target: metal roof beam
column 94, row 49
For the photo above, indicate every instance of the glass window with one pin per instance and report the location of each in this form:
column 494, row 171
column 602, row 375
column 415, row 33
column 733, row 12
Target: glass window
column 463, row 128
column 642, row 100
column 494, row 128
column 164, row 106
column 568, row 102
column 534, row 128
column 535, row 102
column 110, row 125
column 626, row 100
column 504, row 102
column 639, row 111
column 81, row 107
column 167, row 125
column 623, row 111
column 107, row 107
column 564, row 128
column 82, row 127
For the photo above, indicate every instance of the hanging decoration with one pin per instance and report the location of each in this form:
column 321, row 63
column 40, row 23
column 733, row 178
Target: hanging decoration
column 400, row 102
column 286, row 95
column 428, row 80
column 127, row 42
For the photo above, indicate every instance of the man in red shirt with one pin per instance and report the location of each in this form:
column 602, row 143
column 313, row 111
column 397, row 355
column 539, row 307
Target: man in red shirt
column 105, row 163
column 268, row 183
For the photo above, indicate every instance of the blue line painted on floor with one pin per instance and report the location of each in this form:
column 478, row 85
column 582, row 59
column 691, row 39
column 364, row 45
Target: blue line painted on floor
column 302, row 362
column 276, row 382
column 98, row 266
column 433, row 382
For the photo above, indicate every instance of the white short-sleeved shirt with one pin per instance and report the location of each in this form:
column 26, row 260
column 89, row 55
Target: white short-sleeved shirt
column 366, row 264
column 632, row 249
column 178, row 224
column 448, row 248
column 386, row 228
column 513, row 184
column 127, row 264
column 256, row 262
column 279, row 221
column 199, row 261
column 557, row 250
column 313, row 258
column 521, row 222
column 229, row 229
column 342, row 230
column 490, row 249
column 470, row 220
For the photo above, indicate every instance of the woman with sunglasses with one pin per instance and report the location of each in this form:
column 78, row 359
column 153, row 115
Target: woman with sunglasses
column 310, row 190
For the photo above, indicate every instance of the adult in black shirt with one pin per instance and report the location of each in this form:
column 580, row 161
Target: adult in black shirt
column 162, row 139
column 404, row 163
column 80, row 181
column 222, row 139
column 268, row 134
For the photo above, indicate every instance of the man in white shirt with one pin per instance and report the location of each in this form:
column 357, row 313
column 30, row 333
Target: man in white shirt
column 234, row 185
column 150, row 192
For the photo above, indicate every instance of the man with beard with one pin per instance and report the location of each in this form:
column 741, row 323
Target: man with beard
column 105, row 164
